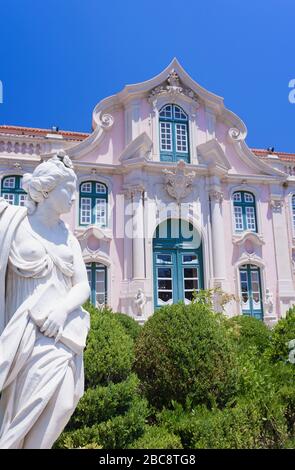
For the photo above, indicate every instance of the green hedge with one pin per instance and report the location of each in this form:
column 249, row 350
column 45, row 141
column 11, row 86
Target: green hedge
column 157, row 437
column 251, row 332
column 109, row 352
column 186, row 353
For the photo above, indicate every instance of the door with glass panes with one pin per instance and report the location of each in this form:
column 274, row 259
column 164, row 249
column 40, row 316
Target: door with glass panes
column 251, row 299
column 177, row 275
column 97, row 278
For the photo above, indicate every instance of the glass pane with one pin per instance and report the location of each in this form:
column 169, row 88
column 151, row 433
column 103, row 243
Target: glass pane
column 190, row 272
column 248, row 197
column 166, row 136
column 187, row 259
column 181, row 138
column 164, row 272
column 238, row 218
column 237, row 197
column 166, row 112
column 100, row 212
column 165, row 284
column 9, row 182
column 179, row 113
column 165, row 298
column 9, row 198
column 250, row 217
column 164, row 259
column 85, row 212
column 100, row 188
column 22, row 199
column 191, row 284
column 188, row 295
column 86, row 187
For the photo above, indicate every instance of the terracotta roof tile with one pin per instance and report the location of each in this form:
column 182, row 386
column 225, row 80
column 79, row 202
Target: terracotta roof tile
column 34, row 131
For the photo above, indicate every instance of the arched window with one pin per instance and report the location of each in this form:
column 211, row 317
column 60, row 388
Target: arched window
column 244, row 211
column 93, row 203
column 174, row 138
column 97, row 278
column 12, row 191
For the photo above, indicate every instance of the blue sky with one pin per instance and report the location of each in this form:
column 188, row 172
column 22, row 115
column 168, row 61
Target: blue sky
column 59, row 58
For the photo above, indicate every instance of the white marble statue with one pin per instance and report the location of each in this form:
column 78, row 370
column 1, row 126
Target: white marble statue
column 140, row 301
column 43, row 283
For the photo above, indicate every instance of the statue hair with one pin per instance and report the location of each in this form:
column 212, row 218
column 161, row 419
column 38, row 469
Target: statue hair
column 45, row 178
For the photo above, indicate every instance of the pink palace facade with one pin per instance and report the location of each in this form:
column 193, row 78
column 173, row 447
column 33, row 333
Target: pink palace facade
column 164, row 154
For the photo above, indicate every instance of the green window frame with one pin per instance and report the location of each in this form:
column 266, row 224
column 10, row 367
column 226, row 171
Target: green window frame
column 173, row 134
column 12, row 191
column 177, row 263
column 251, row 293
column 244, row 211
column 93, row 203
column 97, row 278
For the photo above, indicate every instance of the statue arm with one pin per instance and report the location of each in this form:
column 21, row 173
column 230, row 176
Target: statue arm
column 80, row 291
column 77, row 295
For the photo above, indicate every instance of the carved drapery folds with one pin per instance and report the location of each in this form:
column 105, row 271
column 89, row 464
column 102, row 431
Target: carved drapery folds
column 179, row 182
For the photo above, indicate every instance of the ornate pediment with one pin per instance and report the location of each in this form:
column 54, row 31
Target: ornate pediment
column 172, row 87
column 178, row 182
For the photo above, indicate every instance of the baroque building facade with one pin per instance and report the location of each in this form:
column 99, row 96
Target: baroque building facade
column 170, row 200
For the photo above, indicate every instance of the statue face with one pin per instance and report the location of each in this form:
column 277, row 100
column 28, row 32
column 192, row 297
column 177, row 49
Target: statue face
column 61, row 198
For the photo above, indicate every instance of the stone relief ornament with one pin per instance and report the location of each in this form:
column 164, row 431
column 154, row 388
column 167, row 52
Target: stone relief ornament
column 178, row 182
column 276, row 204
column 172, row 87
column 43, row 328
column 140, row 301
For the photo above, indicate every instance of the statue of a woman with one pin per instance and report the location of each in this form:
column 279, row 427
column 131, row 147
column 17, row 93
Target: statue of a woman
column 41, row 376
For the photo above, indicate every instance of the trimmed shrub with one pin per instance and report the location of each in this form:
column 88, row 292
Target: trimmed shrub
column 131, row 327
column 109, row 352
column 115, row 433
column 283, row 332
column 251, row 332
column 249, row 424
column 186, row 353
column 102, row 403
column 157, row 437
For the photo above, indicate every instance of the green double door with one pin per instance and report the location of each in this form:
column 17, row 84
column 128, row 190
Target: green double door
column 177, row 274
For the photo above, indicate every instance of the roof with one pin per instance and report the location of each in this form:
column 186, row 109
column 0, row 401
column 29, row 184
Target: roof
column 285, row 156
column 37, row 132
column 72, row 135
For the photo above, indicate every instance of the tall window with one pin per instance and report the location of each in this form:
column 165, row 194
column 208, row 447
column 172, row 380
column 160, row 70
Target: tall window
column 93, row 203
column 244, row 211
column 97, row 278
column 251, row 291
column 12, row 191
column 174, row 138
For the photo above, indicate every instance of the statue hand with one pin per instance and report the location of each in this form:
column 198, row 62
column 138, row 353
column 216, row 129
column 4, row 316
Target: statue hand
column 54, row 322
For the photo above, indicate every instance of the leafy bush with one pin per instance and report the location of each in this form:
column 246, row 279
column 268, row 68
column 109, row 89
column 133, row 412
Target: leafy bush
column 249, row 424
column 283, row 332
column 251, row 332
column 115, row 433
column 104, row 402
column 157, row 437
column 186, row 352
column 131, row 327
column 109, row 352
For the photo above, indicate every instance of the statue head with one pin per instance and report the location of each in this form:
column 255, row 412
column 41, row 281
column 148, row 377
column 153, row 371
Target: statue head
column 54, row 179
